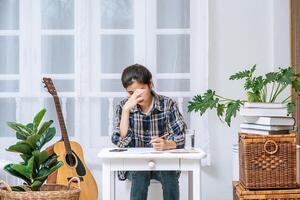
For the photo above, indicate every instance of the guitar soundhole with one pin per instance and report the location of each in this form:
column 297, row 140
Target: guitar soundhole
column 71, row 160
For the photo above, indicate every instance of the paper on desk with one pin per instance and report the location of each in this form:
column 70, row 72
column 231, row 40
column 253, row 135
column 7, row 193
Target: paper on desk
column 152, row 150
column 175, row 151
column 182, row 151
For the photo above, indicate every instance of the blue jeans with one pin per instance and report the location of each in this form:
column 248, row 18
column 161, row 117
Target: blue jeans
column 140, row 180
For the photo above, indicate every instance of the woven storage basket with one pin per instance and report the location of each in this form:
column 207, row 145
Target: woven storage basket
column 241, row 193
column 267, row 161
column 47, row 192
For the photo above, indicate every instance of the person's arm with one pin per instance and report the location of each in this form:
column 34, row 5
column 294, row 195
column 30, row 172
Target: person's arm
column 117, row 139
column 122, row 134
column 124, row 123
column 176, row 129
column 177, row 126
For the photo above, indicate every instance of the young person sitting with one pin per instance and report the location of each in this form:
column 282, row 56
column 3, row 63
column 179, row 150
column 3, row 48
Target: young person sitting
column 140, row 121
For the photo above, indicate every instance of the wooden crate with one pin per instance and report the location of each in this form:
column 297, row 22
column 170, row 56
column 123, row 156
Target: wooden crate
column 267, row 161
column 241, row 193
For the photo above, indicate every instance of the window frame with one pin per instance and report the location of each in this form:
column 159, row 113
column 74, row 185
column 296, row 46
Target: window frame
column 87, row 64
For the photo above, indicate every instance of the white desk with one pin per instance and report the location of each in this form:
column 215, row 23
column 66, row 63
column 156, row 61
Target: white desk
column 142, row 159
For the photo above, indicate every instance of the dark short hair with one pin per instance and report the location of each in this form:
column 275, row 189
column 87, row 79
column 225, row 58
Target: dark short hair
column 137, row 73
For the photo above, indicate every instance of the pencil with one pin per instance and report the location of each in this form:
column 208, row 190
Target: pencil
column 161, row 137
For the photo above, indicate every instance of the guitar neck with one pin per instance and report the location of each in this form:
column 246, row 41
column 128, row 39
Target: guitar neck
column 62, row 125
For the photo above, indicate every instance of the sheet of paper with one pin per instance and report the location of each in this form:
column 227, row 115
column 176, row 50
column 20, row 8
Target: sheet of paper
column 182, row 151
column 152, row 150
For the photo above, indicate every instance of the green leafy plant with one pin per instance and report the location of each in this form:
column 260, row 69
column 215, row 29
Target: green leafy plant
column 37, row 164
column 256, row 88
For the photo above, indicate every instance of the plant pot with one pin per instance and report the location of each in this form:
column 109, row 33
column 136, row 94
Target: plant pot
column 47, row 192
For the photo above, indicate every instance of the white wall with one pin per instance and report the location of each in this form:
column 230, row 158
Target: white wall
column 242, row 33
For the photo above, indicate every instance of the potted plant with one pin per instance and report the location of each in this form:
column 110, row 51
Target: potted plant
column 263, row 89
column 36, row 163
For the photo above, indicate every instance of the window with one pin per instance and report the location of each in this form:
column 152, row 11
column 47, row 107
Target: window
column 84, row 46
column 9, row 62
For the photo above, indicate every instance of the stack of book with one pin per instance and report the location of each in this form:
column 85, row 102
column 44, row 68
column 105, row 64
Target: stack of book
column 266, row 118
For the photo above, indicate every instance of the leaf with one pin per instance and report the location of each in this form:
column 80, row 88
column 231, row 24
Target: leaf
column 258, row 84
column 33, row 141
column 25, row 157
column 202, row 103
column 193, row 105
column 20, row 147
column 253, row 97
column 38, row 118
column 243, row 74
column 50, row 161
column 21, row 134
column 248, row 84
column 252, row 70
column 36, row 185
column 44, row 127
column 45, row 171
column 232, row 108
column 37, row 141
column 40, row 157
column 208, row 100
column 270, row 77
column 46, row 137
column 43, row 156
column 8, row 168
column 20, row 126
column 20, row 137
column 17, row 189
column 25, row 170
column 220, row 109
column 25, row 128
column 296, row 84
column 254, row 85
column 30, row 126
column 291, row 107
column 286, row 75
column 36, row 155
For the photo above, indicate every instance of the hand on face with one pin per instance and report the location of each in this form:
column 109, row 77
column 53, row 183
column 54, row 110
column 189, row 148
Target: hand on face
column 134, row 99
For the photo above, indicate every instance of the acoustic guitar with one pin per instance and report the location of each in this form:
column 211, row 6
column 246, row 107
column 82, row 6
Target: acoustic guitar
column 71, row 154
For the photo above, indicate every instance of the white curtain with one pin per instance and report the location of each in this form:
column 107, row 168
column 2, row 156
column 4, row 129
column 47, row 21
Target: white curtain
column 9, row 60
column 113, row 33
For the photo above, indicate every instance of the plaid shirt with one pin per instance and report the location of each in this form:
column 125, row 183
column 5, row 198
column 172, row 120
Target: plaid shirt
column 164, row 117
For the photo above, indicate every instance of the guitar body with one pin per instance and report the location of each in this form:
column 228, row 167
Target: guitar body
column 88, row 186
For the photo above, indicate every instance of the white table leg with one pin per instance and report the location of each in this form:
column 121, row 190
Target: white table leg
column 190, row 185
column 106, row 182
column 197, row 182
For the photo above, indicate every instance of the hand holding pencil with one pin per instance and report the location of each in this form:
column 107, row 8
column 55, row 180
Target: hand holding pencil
column 159, row 143
column 156, row 139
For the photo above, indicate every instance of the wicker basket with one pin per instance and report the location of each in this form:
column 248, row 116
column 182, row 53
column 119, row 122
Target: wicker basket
column 267, row 161
column 47, row 192
column 240, row 193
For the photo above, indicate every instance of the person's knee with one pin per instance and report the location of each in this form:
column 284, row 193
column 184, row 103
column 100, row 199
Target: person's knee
column 169, row 178
column 140, row 178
